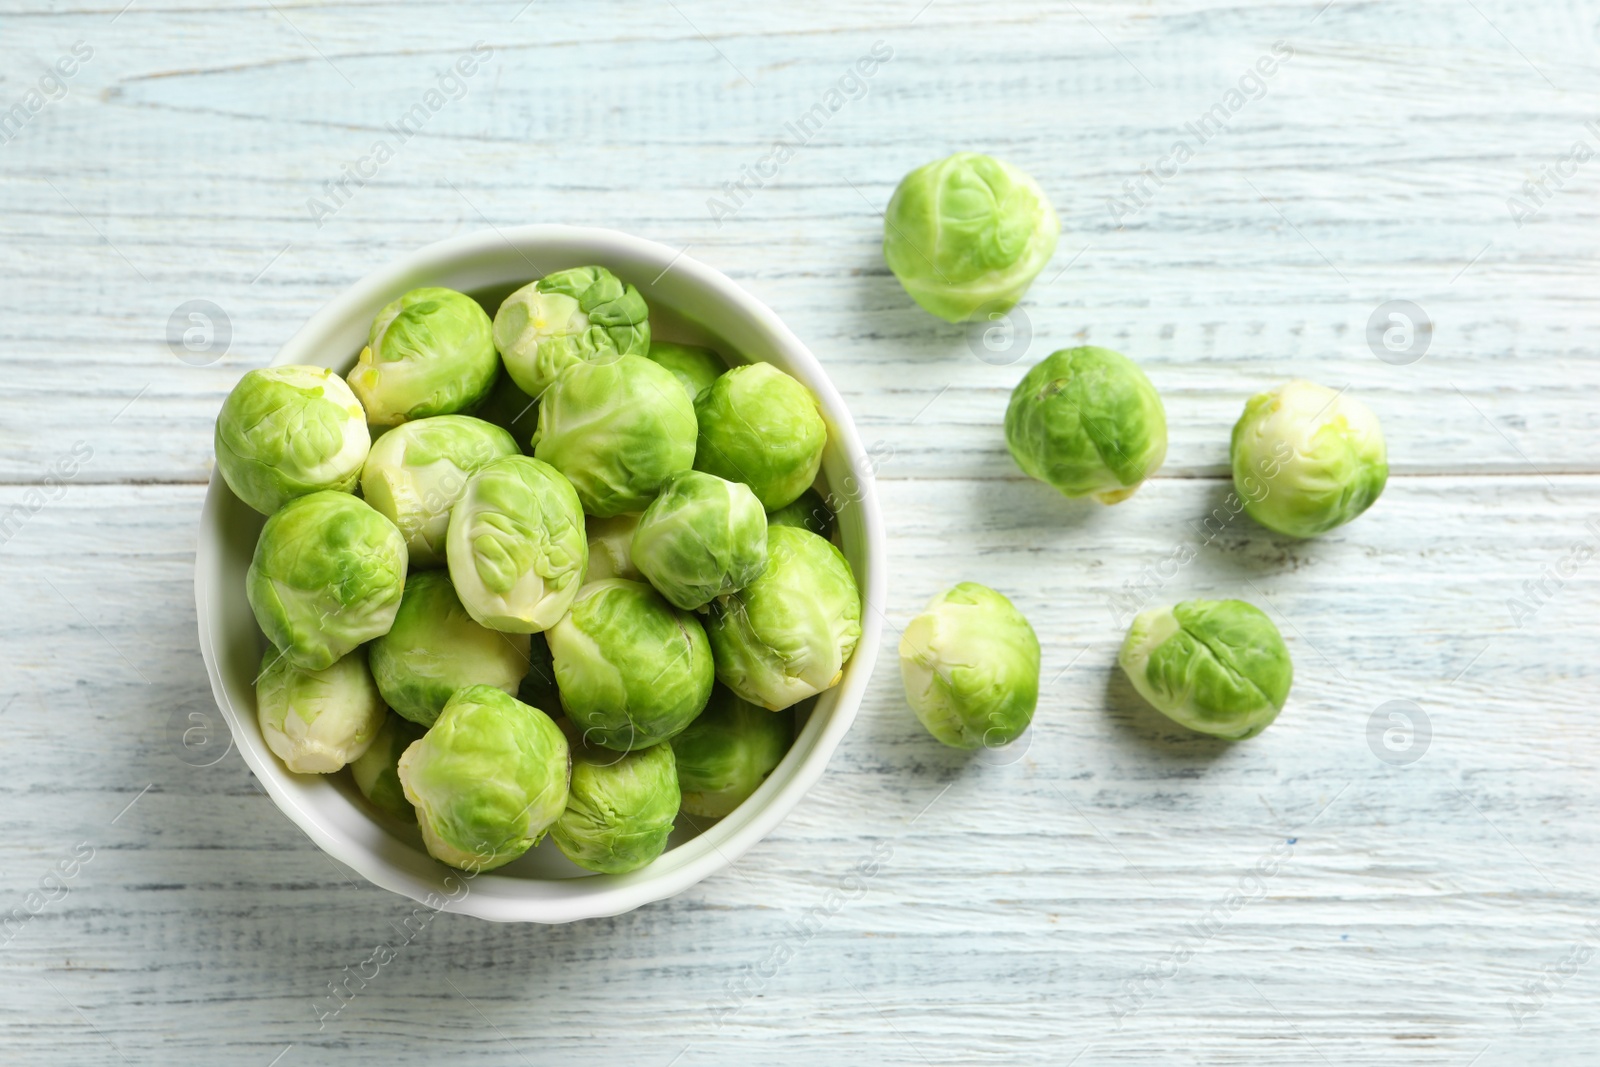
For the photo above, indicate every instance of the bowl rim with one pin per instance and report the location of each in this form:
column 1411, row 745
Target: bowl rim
column 728, row 839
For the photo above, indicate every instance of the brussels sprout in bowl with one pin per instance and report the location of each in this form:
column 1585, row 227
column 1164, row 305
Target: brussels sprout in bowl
column 689, row 304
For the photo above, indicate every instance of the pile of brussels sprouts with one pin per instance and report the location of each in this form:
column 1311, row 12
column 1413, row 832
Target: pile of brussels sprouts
column 966, row 236
column 540, row 573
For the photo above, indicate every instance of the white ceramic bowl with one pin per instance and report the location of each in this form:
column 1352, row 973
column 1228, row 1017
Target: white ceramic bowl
column 688, row 302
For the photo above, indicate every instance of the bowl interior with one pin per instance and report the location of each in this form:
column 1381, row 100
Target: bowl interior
column 688, row 302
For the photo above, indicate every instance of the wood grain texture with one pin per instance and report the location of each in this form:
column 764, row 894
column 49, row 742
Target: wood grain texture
column 1116, row 890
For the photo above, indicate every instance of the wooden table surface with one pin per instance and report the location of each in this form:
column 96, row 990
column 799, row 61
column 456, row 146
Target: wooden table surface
column 1351, row 887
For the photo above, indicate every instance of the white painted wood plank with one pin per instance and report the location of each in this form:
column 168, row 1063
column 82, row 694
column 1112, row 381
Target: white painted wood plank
column 1003, row 922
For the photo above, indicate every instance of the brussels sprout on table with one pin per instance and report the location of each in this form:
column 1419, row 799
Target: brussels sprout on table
column 788, row 634
column 516, row 545
column 376, row 770
column 1307, row 459
column 1088, row 422
column 487, row 779
column 727, row 753
column 287, row 431
column 327, row 576
column 619, row 429
column 611, row 548
column 808, row 511
column 435, row 648
column 417, row 471
column 632, row 669
column 970, row 664
column 761, row 427
column 431, row 352
column 693, row 365
column 967, row 234
column 702, row 538
column 1219, row 667
column 317, row 721
column 620, row 808
column 572, row 316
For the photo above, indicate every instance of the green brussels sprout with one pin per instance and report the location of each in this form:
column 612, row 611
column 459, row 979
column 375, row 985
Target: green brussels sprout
column 431, row 352
column 538, row 688
column 572, row 316
column 967, row 234
column 788, row 634
column 317, row 721
column 970, row 664
column 761, row 427
column 512, row 410
column 487, row 779
column 287, row 431
column 702, row 538
column 435, row 648
column 376, row 770
column 1087, row 421
column 516, row 545
column 1218, row 667
column 728, row 752
column 632, row 669
column 327, row 576
column 620, row 809
column 611, row 548
column 808, row 511
column 417, row 471
column 693, row 365
column 618, row 429
column 1307, row 459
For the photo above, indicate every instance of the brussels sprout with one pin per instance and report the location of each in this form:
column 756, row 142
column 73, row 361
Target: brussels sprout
column 611, row 548
column 487, row 779
column 431, row 352
column 516, row 545
column 696, row 367
column 620, row 809
column 788, row 634
column 512, row 410
column 1216, row 666
column 1307, row 459
column 970, row 664
column 728, row 752
column 416, row 472
column 809, row 512
column 375, row 770
column 317, row 721
column 1087, row 421
column 435, row 648
column 761, row 427
column 702, row 538
column 618, row 429
column 633, row 670
column 327, row 576
column 287, row 431
column 968, row 233
column 572, row 316
column 538, row 688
